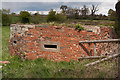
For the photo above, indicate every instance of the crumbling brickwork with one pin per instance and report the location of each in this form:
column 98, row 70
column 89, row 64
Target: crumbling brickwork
column 55, row 43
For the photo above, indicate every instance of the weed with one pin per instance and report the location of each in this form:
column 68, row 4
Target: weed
column 79, row 27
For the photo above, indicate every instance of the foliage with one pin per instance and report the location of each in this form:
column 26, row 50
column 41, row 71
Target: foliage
column 94, row 9
column 72, row 13
column 13, row 14
column 25, row 17
column 36, row 18
column 53, row 17
column 6, row 18
column 85, row 11
column 79, row 27
column 15, row 19
column 63, row 7
column 112, row 14
column 117, row 27
column 5, row 11
column 117, row 22
column 81, row 13
column 110, row 11
column 60, row 17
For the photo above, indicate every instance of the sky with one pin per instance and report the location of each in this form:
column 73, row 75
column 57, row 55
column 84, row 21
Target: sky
column 59, row 0
column 43, row 5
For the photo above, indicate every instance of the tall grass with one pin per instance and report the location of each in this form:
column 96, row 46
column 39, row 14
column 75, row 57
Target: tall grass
column 5, row 39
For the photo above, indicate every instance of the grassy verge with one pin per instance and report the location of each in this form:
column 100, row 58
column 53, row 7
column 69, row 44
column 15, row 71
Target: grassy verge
column 73, row 22
column 41, row 68
column 5, row 39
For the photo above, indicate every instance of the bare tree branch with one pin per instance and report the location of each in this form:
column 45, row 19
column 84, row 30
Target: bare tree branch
column 94, row 9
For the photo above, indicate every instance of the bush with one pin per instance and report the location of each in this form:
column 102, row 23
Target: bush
column 53, row 17
column 6, row 19
column 79, row 27
column 15, row 19
column 60, row 17
column 25, row 17
column 111, row 15
column 36, row 19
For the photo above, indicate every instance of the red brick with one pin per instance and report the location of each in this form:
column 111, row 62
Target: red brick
column 67, row 38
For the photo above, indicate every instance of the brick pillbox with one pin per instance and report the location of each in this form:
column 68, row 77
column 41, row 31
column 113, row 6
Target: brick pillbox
column 55, row 43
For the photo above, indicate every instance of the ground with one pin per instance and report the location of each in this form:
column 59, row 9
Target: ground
column 42, row 68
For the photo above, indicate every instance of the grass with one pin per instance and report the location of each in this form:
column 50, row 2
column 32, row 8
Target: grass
column 69, row 22
column 42, row 68
column 5, row 39
column 72, row 22
column 92, row 22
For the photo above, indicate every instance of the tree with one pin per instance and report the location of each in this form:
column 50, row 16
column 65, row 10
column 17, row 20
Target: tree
column 76, row 13
column 94, row 9
column 13, row 14
column 6, row 18
column 111, row 14
column 5, row 11
column 37, row 13
column 60, row 17
column 72, row 12
column 51, row 16
column 25, row 17
column 117, row 22
column 118, row 10
column 36, row 18
column 63, row 7
column 84, row 11
column 0, row 15
column 110, row 11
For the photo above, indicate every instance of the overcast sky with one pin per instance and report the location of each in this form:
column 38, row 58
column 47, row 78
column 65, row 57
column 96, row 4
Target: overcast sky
column 40, row 5
column 59, row 0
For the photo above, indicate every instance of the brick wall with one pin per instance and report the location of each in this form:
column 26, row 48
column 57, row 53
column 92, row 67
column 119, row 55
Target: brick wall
column 36, row 41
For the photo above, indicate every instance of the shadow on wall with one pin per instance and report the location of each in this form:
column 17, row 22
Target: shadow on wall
column 86, row 50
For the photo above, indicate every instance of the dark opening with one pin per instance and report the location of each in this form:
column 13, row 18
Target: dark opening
column 50, row 46
column 15, row 42
column 58, row 28
column 89, row 31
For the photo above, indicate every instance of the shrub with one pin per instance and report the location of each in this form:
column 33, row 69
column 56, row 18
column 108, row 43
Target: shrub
column 24, row 17
column 6, row 19
column 53, row 17
column 60, row 17
column 79, row 27
column 36, row 19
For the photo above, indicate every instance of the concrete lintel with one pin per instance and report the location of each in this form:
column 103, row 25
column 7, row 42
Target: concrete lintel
column 42, row 48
